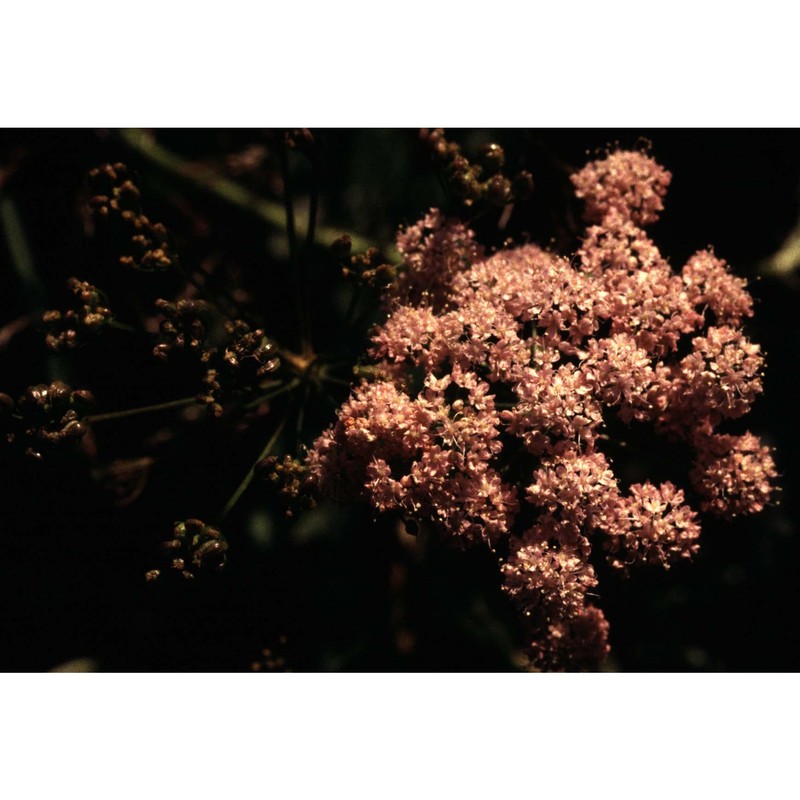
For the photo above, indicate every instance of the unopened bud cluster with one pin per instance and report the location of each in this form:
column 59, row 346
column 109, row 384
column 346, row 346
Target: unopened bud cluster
column 292, row 478
column 116, row 202
column 67, row 329
column 195, row 548
column 368, row 268
column 185, row 328
column 482, row 180
column 45, row 419
column 248, row 357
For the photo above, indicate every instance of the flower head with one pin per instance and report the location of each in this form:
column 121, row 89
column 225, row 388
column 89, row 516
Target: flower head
column 501, row 374
column 629, row 182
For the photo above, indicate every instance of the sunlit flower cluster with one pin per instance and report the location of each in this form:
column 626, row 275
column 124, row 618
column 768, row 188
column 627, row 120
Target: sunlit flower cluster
column 501, row 374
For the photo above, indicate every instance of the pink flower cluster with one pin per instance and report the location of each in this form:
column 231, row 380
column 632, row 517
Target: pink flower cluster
column 501, row 374
column 424, row 456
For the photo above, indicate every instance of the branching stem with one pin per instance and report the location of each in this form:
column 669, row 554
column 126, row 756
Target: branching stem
column 132, row 412
column 242, row 487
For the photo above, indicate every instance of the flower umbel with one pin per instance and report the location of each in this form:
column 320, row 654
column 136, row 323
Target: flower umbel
column 526, row 351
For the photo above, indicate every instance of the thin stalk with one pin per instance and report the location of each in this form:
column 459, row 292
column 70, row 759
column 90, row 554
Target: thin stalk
column 448, row 195
column 242, row 487
column 301, row 415
column 313, row 210
column 351, row 308
column 120, row 326
column 298, row 261
column 288, row 205
column 24, row 267
column 287, row 387
column 305, row 284
column 132, row 412
column 207, row 180
column 297, row 363
column 20, row 252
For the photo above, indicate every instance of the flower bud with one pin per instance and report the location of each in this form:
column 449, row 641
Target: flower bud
column 461, row 185
column 128, row 197
column 266, row 468
column 194, row 548
column 492, row 158
column 59, row 391
column 74, row 430
column 436, row 141
column 498, row 190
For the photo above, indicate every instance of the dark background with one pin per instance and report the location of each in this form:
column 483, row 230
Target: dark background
column 347, row 591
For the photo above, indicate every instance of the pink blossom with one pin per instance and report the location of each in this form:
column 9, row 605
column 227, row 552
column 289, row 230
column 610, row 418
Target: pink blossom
column 434, row 251
column 624, row 376
column 501, row 373
column 423, row 456
column 577, row 643
column 555, row 406
column 710, row 284
column 661, row 529
column 734, row 474
column 718, row 380
column 637, row 293
column 577, row 487
column 547, row 580
column 629, row 182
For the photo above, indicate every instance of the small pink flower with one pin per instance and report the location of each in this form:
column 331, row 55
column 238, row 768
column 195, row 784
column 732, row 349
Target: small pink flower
column 661, row 528
column 631, row 183
column 710, row 285
column 434, row 251
column 577, row 643
column 734, row 474
column 548, row 581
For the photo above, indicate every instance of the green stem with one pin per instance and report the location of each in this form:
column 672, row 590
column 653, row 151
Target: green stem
column 305, row 298
column 120, row 326
column 301, row 412
column 297, row 266
column 22, row 262
column 351, row 308
column 242, row 487
column 132, row 412
column 201, row 177
column 288, row 205
column 287, row 387
column 313, row 210
column 21, row 257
